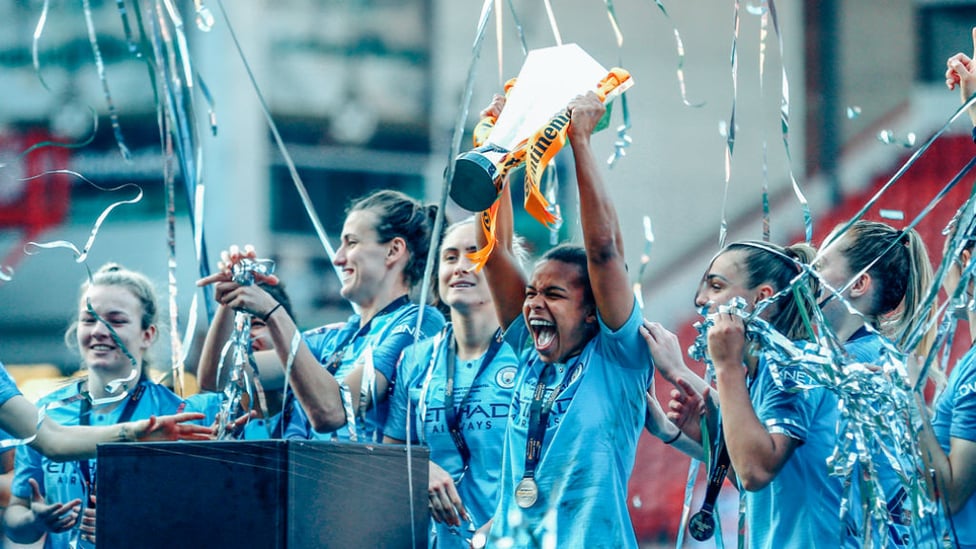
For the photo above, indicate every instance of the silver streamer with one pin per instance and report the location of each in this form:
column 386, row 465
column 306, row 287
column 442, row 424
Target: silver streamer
column 876, row 406
column 238, row 381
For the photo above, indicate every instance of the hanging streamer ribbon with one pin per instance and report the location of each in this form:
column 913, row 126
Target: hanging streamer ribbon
column 35, row 55
column 100, row 68
column 680, row 47
column 785, row 126
column 645, row 260
column 486, row 10
column 499, row 41
column 730, row 135
column 82, row 254
column 518, row 28
column 292, row 170
column 763, row 34
column 623, row 140
column 552, row 23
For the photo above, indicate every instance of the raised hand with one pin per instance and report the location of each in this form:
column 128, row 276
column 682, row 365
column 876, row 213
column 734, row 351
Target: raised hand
column 585, row 113
column 228, row 259
column 961, row 72
column 665, row 350
column 726, row 342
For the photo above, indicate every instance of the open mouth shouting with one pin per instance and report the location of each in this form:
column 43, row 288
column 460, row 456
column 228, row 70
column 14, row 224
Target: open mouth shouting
column 543, row 334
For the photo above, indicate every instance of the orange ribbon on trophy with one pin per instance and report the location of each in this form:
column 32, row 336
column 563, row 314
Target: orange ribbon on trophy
column 537, row 151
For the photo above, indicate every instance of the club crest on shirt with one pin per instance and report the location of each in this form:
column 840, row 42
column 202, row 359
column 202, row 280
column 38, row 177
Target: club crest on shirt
column 505, row 378
column 575, row 374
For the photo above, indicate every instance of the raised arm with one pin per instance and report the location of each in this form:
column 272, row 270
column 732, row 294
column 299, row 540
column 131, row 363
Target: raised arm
column 315, row 388
column 598, row 218
column 222, row 326
column 961, row 71
column 756, row 454
column 502, row 271
column 220, row 330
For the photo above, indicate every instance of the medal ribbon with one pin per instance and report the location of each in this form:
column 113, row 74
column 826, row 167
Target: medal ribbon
column 335, row 359
column 84, row 418
column 539, row 415
column 451, row 413
column 369, row 377
column 716, row 477
column 332, row 365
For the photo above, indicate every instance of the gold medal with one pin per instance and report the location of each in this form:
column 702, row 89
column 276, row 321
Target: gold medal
column 526, row 493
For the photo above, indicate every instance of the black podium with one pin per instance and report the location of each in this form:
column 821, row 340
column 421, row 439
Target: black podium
column 262, row 494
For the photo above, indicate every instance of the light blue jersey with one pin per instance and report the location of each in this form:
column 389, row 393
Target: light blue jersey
column 589, row 446
column 8, row 389
column 484, row 394
column 800, row 507
column 869, row 348
column 955, row 417
column 63, row 482
column 379, row 347
column 209, row 405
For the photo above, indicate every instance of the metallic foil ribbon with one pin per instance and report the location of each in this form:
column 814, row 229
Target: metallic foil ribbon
column 100, row 68
column 82, row 254
column 552, row 23
column 785, row 118
column 877, row 414
column 645, row 260
column 38, row 33
column 680, row 48
column 730, row 135
column 465, row 105
column 238, row 383
column 292, row 170
column 624, row 140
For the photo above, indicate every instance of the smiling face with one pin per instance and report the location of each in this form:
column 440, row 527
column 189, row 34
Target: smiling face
column 725, row 279
column 361, row 258
column 557, row 312
column 122, row 310
column 460, row 287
